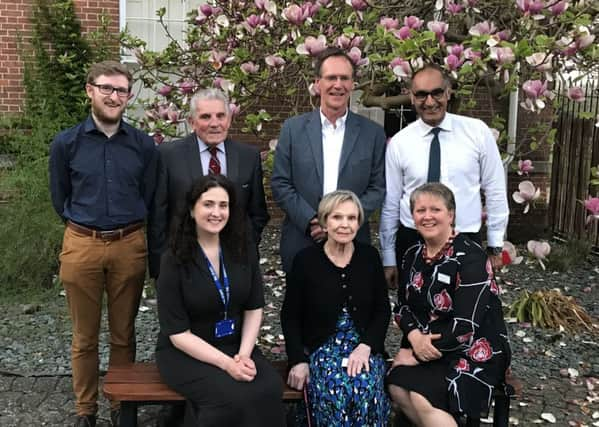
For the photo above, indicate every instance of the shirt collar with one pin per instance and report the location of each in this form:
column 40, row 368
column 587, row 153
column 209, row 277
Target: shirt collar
column 446, row 125
column 324, row 122
column 90, row 126
column 204, row 147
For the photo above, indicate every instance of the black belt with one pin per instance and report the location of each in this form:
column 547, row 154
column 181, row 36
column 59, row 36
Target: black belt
column 107, row 235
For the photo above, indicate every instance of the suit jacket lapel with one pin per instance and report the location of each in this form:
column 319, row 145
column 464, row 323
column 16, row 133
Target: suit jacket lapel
column 232, row 161
column 314, row 132
column 352, row 129
column 194, row 161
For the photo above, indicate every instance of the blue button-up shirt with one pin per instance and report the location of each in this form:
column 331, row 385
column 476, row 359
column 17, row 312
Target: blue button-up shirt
column 102, row 182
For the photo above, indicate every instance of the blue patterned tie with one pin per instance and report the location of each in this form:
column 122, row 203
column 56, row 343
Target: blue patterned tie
column 434, row 157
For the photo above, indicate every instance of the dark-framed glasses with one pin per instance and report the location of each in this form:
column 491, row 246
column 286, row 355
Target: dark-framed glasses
column 437, row 94
column 105, row 89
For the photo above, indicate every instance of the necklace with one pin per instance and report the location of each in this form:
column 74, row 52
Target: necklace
column 430, row 259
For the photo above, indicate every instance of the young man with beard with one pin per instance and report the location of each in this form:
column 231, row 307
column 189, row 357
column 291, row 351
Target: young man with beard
column 455, row 150
column 102, row 179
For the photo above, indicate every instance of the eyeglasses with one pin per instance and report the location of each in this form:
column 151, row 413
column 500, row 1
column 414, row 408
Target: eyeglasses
column 437, row 94
column 122, row 92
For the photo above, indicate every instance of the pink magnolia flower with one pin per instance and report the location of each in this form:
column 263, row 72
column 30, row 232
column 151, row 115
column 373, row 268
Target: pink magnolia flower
column 592, row 205
column 165, row 90
column 584, row 40
column 540, row 61
column 158, row 137
column 535, row 90
column 218, row 58
column 403, row 33
column 234, row 109
column 358, row 5
column 455, row 49
column 472, row 55
column 274, row 61
column 525, row 167
column 558, row 8
column 401, row 68
column 413, row 22
column 504, row 35
column 530, row 7
column 249, row 67
column 253, row 20
column 295, row 14
column 389, row 23
column 267, row 5
column 454, row 8
column 509, row 254
column 576, row 94
column 344, row 42
column 314, row 90
column 502, row 55
column 439, row 28
column 482, row 28
column 186, row 87
column 312, row 46
column 527, row 194
column 223, row 84
column 355, row 54
column 452, row 62
column 539, row 250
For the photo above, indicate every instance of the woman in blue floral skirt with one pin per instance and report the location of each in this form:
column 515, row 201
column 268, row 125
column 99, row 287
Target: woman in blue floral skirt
column 335, row 317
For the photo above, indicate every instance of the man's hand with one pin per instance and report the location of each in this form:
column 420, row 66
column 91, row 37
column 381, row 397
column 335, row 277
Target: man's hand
column 298, row 376
column 496, row 261
column 391, row 276
column 422, row 345
column 358, row 360
column 316, row 231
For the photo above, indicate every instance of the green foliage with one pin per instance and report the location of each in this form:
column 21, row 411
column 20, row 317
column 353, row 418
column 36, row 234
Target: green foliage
column 550, row 309
column 595, row 175
column 570, row 255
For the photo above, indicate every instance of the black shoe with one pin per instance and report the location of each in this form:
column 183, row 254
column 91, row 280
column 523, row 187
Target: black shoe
column 85, row 421
column 171, row 415
column 115, row 417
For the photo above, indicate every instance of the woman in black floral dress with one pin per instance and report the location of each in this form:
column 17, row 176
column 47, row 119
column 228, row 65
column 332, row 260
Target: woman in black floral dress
column 455, row 347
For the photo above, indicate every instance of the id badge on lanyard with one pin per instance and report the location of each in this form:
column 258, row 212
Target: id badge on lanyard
column 224, row 327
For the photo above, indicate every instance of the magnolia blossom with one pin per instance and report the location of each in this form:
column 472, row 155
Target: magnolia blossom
column 452, row 62
column 157, row 136
column 535, row 90
column 540, row 61
column 187, row 87
column 509, row 254
column 572, row 44
column 403, row 33
column 314, row 89
column 482, row 28
column 527, row 194
column 539, row 250
column 439, row 28
column 472, row 55
column 274, row 61
column 296, row 14
column 502, row 55
column 413, row 22
column 576, row 94
column 234, row 109
column 268, row 5
column 223, row 84
column 355, row 54
column 165, row 90
column 358, row 5
column 253, row 21
column 558, row 8
column 249, row 67
column 454, row 8
column 389, row 23
column 592, row 205
column 525, row 167
column 218, row 58
column 312, row 46
column 403, row 69
column 455, row 49
column 344, row 42
column 530, row 7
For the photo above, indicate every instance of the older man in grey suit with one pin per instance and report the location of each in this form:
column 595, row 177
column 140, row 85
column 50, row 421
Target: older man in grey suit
column 206, row 150
column 327, row 149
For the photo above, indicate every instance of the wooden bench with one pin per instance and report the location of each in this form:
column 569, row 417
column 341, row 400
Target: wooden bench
column 138, row 384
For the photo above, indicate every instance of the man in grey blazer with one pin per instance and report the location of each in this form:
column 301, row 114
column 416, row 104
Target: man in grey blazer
column 185, row 160
column 327, row 149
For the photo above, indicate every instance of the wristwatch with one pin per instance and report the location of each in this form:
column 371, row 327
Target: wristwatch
column 494, row 250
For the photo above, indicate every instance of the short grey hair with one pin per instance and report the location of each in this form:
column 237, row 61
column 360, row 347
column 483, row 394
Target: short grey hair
column 333, row 199
column 205, row 94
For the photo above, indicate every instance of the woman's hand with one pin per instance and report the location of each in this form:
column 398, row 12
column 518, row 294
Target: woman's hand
column 298, row 376
column 358, row 359
column 240, row 369
column 422, row 345
column 405, row 357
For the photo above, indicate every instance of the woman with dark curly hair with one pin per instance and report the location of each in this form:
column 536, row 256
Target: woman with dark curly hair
column 455, row 348
column 210, row 301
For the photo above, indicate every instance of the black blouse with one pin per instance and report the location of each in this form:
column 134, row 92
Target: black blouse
column 316, row 292
column 188, row 297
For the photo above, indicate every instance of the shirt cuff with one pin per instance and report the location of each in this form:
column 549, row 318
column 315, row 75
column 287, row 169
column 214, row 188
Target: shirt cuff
column 495, row 239
column 389, row 258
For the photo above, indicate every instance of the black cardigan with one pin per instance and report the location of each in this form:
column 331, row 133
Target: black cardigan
column 316, row 294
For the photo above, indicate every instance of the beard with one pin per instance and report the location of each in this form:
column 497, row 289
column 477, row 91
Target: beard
column 100, row 115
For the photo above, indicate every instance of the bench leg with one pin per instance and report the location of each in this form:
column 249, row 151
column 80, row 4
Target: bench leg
column 128, row 414
column 501, row 414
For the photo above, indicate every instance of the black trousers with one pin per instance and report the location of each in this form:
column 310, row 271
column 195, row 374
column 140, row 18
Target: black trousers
column 407, row 237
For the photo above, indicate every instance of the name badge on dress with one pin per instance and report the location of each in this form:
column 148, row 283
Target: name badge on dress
column 443, row 278
column 224, row 328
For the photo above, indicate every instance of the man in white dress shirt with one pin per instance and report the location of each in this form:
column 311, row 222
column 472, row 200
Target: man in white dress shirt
column 466, row 159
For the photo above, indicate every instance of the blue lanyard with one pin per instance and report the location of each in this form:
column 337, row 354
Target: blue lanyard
column 224, row 291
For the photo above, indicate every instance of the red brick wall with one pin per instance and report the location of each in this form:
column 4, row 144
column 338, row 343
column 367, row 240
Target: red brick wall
column 14, row 20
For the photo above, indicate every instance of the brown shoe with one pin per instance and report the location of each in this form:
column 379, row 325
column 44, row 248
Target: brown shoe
column 85, row 421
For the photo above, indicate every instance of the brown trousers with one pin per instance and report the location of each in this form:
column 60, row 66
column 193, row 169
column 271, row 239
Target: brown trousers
column 88, row 268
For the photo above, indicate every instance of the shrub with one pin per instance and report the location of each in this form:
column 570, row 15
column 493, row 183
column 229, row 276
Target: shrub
column 569, row 255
